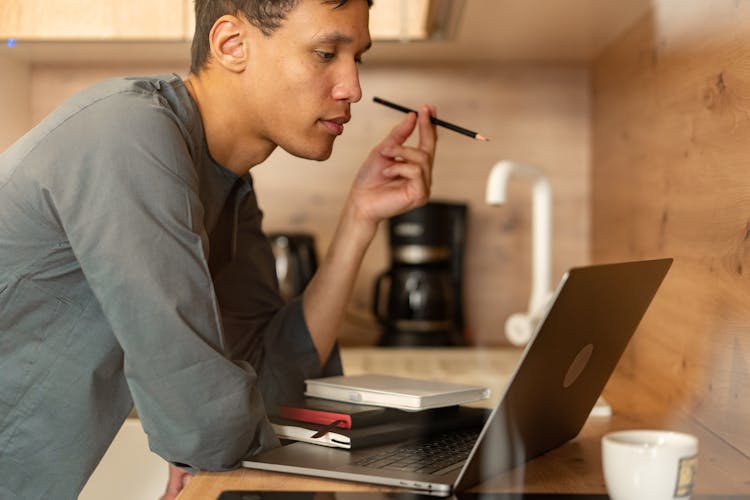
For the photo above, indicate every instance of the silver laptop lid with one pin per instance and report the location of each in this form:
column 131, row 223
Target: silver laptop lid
column 594, row 313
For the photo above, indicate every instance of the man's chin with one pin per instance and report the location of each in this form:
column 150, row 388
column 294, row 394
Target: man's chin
column 323, row 156
column 312, row 153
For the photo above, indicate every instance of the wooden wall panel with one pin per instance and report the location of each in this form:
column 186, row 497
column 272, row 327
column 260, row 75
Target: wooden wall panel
column 93, row 20
column 15, row 100
column 671, row 177
column 536, row 114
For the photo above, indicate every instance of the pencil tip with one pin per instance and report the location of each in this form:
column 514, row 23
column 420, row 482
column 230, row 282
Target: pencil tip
column 480, row 137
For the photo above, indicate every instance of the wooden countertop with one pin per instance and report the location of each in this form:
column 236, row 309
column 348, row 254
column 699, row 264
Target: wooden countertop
column 574, row 467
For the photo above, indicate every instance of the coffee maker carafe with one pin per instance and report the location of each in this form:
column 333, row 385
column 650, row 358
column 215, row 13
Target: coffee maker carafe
column 418, row 301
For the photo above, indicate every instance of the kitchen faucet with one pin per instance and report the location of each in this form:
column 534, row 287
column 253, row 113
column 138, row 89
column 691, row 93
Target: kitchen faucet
column 519, row 327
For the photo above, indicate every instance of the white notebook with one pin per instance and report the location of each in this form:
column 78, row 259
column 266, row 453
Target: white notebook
column 394, row 392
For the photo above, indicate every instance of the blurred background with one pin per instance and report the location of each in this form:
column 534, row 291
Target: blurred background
column 637, row 113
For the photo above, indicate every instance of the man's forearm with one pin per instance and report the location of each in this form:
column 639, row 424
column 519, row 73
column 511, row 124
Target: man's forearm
column 326, row 297
column 394, row 178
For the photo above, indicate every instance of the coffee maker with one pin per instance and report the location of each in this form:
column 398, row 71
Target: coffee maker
column 418, row 300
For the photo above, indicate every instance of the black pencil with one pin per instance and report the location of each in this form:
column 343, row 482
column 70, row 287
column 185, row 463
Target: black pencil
column 434, row 120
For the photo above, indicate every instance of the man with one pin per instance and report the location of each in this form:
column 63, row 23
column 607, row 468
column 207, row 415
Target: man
column 133, row 266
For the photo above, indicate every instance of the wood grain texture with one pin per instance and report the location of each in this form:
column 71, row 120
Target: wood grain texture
column 671, row 177
column 93, row 20
column 14, row 100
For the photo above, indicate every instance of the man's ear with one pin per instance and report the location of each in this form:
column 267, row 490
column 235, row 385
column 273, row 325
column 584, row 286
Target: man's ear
column 228, row 46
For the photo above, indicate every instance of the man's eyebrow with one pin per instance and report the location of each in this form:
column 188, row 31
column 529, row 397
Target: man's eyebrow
column 337, row 37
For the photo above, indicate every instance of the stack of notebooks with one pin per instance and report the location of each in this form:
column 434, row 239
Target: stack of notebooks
column 365, row 410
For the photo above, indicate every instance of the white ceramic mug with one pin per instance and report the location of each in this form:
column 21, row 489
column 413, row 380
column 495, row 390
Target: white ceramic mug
column 649, row 464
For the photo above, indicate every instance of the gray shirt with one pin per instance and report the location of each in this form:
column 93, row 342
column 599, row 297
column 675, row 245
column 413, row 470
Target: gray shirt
column 133, row 268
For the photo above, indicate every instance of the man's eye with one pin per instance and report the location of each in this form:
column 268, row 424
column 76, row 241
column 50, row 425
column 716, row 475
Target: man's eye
column 326, row 56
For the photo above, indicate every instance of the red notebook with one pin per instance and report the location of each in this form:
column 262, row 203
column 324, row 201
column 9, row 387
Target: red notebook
column 349, row 416
column 414, row 424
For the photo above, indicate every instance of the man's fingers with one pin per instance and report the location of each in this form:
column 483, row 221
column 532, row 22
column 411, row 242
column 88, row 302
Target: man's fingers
column 417, row 186
column 427, row 130
column 178, row 479
column 403, row 153
column 413, row 156
column 405, row 170
column 402, row 131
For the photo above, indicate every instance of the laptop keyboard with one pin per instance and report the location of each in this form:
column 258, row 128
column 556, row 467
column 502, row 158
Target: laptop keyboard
column 428, row 456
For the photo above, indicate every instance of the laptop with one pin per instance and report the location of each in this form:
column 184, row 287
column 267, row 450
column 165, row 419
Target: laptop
column 574, row 350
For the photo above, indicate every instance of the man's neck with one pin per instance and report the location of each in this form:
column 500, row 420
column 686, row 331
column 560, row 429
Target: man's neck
column 230, row 143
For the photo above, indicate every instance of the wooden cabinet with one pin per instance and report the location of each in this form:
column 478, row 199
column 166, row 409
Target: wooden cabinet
column 189, row 18
column 95, row 20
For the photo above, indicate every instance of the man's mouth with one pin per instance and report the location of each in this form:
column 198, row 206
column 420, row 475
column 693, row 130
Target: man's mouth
column 335, row 126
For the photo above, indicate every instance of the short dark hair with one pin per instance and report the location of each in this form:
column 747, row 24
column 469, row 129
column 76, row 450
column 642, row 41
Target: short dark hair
column 266, row 15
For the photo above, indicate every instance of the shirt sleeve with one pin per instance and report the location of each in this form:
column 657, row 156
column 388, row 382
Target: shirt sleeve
column 128, row 202
column 258, row 325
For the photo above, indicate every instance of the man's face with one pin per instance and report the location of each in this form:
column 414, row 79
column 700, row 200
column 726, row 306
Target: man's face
column 302, row 79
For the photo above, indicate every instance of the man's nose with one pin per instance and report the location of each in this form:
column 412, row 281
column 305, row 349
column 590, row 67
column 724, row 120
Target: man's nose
column 347, row 87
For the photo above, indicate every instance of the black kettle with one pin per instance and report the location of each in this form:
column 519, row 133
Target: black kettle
column 296, row 261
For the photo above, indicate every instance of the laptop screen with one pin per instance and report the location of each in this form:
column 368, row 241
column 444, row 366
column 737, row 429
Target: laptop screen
column 565, row 366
